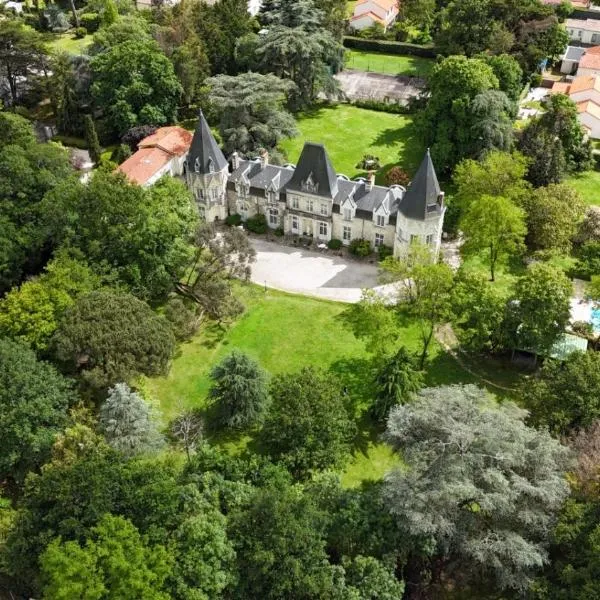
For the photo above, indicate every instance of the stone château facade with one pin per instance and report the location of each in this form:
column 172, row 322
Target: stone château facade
column 310, row 199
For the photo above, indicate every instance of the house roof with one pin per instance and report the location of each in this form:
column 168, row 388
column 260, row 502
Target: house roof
column 589, row 107
column 314, row 167
column 422, row 195
column 370, row 14
column 590, row 61
column 585, row 24
column 385, row 4
column 583, row 83
column 560, row 87
column 145, row 163
column 174, row 140
column 573, row 53
column 204, row 151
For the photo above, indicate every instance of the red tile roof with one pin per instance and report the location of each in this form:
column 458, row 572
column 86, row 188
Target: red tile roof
column 590, row 60
column 174, row 140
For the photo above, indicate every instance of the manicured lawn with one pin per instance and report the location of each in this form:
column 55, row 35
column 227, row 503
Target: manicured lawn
column 67, row 42
column 506, row 275
column 391, row 64
column 350, row 7
column 348, row 132
column 588, row 185
column 285, row 333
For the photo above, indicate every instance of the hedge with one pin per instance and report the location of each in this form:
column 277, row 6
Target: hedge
column 390, row 47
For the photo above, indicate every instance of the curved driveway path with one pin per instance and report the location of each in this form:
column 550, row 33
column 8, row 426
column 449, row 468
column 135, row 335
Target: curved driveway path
column 302, row 271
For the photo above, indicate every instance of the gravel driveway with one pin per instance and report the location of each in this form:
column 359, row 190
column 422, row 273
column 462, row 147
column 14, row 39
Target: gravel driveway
column 301, row 271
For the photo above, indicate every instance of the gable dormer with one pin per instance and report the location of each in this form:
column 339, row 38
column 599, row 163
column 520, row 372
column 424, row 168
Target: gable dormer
column 309, row 186
column 314, row 173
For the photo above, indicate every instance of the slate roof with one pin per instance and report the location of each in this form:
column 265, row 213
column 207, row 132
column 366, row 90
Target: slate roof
column 205, row 149
column 421, row 198
column 271, row 176
column 314, row 163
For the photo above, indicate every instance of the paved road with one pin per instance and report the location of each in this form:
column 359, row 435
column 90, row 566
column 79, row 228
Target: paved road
column 301, row 271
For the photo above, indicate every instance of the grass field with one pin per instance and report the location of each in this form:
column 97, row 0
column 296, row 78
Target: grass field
column 66, row 42
column 285, row 333
column 349, row 132
column 588, row 185
column 391, row 64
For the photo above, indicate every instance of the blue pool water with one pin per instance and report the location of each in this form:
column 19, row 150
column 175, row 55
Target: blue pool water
column 596, row 319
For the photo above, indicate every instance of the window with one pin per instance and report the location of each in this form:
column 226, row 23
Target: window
column 323, row 229
column 378, row 239
column 324, row 209
column 414, row 239
column 273, row 216
column 295, row 223
column 347, row 233
column 347, row 214
column 309, row 205
column 380, row 220
column 202, row 213
column 295, row 202
column 429, row 239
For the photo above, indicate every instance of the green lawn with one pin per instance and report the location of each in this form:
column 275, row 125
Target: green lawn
column 67, row 42
column 350, row 7
column 348, row 132
column 588, row 185
column 391, row 64
column 284, row 333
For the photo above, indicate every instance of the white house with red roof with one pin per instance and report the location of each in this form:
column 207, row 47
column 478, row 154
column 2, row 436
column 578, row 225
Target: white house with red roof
column 585, row 92
column 162, row 153
column 370, row 12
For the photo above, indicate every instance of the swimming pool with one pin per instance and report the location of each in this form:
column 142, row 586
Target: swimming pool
column 595, row 313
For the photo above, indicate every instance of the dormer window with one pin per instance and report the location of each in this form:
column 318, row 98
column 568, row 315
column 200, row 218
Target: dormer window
column 440, row 199
column 347, row 214
column 310, row 186
column 211, row 165
column 197, row 165
column 380, row 220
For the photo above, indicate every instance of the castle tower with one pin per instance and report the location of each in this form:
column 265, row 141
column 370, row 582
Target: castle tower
column 421, row 211
column 206, row 171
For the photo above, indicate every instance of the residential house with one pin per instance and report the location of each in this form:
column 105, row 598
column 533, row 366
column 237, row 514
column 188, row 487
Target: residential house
column 585, row 92
column 581, row 61
column 367, row 13
column 164, row 152
column 584, row 31
column 311, row 199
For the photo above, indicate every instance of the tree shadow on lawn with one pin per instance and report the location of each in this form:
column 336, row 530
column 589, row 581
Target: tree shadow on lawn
column 213, row 335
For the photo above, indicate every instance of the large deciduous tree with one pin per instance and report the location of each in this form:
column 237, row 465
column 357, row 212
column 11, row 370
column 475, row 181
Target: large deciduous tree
column 480, row 491
column 494, row 226
column 240, row 390
column 134, row 84
column 252, row 113
column 308, row 426
column 34, row 400
column 565, row 396
column 129, row 423
column 109, row 337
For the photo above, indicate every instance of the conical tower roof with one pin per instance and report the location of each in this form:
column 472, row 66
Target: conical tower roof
column 205, row 156
column 422, row 193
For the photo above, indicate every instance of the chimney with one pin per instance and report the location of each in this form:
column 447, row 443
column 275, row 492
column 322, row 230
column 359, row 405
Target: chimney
column 235, row 161
column 264, row 158
column 370, row 180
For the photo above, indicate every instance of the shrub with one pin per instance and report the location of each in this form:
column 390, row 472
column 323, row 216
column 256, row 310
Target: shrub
column 369, row 162
column 589, row 260
column 389, row 47
column 80, row 33
column 91, row 21
column 136, row 134
column 279, row 232
column 388, row 107
column 334, row 244
column 535, row 79
column 384, row 251
column 121, row 153
column 257, row 224
column 233, row 220
column 397, row 176
column 360, row 247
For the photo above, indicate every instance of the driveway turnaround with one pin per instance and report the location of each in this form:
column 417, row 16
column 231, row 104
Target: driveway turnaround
column 302, row 271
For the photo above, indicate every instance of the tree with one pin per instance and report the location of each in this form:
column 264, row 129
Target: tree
column 496, row 174
column 115, row 563
column 540, row 308
column 481, row 489
column 108, row 337
column 125, row 29
column 553, row 217
column 397, row 176
column 494, row 225
column 34, row 399
column 398, row 380
column 547, row 162
column 370, row 578
column 23, row 55
column 91, row 138
column 216, row 261
column 187, row 429
column 308, row 427
column 251, row 111
column 240, row 390
column 424, row 288
column 565, row 396
column 508, row 71
column 154, row 227
column 110, row 13
column 279, row 546
column 149, row 98
column 128, row 422
column 31, row 312
column 589, row 228
column 452, row 124
column 477, row 312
